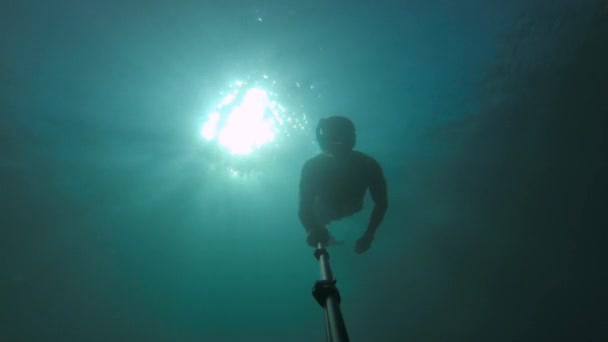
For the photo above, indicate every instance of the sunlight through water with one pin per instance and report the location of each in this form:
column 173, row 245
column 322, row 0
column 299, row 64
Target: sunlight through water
column 249, row 126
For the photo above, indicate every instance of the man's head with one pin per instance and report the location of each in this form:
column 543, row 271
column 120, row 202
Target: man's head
column 336, row 135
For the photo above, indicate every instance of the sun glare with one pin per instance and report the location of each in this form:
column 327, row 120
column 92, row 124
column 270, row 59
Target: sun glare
column 250, row 122
column 248, row 126
column 247, row 118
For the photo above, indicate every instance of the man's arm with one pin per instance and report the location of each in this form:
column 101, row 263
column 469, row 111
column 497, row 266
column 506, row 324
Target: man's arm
column 307, row 197
column 378, row 191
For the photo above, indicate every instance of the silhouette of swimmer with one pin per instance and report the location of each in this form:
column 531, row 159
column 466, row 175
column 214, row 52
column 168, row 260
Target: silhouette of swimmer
column 333, row 184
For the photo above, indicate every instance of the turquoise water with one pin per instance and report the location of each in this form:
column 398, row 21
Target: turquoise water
column 120, row 222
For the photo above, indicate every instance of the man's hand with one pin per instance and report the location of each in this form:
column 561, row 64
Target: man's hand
column 318, row 235
column 364, row 243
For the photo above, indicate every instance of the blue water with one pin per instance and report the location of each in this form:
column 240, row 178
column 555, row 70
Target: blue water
column 118, row 224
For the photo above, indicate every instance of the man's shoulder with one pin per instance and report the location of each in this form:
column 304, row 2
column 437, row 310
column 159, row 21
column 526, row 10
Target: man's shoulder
column 316, row 159
column 359, row 158
column 365, row 158
column 369, row 165
column 314, row 162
